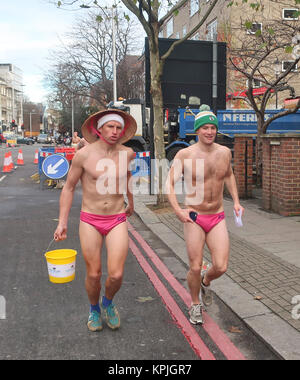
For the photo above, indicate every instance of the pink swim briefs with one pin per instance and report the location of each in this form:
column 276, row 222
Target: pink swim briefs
column 103, row 223
column 209, row 221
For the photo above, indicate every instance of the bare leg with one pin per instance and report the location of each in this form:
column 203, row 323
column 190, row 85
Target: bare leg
column 91, row 245
column 195, row 240
column 117, row 244
column 218, row 243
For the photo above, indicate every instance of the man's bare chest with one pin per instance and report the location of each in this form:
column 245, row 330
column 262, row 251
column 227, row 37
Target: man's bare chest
column 205, row 168
column 114, row 168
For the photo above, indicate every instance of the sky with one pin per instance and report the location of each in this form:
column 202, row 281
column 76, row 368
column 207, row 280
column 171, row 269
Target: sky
column 29, row 29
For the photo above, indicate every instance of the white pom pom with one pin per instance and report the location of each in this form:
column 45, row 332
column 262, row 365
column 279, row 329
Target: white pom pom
column 204, row 107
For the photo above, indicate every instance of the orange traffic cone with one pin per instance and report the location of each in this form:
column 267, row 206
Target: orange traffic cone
column 11, row 163
column 20, row 160
column 36, row 157
column 6, row 165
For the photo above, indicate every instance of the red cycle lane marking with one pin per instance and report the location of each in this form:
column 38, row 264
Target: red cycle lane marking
column 181, row 321
column 218, row 336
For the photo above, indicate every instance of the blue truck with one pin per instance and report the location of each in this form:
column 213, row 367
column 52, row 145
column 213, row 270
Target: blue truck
column 180, row 127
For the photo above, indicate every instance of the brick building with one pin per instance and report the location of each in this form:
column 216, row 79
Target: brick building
column 230, row 24
column 281, row 184
column 281, row 171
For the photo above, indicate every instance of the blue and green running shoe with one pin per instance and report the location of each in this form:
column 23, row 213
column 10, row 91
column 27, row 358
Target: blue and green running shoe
column 95, row 321
column 111, row 315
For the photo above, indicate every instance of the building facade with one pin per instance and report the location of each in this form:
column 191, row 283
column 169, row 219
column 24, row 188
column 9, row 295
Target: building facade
column 239, row 26
column 11, row 97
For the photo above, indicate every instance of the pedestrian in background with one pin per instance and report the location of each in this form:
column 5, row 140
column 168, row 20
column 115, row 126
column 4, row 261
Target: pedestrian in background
column 75, row 139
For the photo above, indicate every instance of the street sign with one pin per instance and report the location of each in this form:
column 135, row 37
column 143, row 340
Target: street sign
column 55, row 166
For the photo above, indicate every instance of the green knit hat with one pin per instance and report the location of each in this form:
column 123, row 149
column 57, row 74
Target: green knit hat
column 205, row 116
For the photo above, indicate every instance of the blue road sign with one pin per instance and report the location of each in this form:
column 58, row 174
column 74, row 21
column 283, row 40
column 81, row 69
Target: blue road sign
column 141, row 165
column 55, row 166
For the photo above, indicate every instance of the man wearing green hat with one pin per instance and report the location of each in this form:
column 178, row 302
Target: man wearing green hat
column 206, row 167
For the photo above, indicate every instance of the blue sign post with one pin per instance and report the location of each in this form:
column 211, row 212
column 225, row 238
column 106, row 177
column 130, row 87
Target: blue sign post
column 55, row 166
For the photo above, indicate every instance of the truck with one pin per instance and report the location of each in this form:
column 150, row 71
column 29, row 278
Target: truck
column 180, row 127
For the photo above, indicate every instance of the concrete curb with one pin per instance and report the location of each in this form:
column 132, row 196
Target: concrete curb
column 281, row 337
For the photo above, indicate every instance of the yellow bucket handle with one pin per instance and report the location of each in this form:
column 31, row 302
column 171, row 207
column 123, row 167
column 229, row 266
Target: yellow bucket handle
column 50, row 244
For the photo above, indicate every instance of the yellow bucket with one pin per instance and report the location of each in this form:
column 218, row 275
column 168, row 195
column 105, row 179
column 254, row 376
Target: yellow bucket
column 61, row 265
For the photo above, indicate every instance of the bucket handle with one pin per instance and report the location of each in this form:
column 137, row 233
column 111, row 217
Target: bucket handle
column 50, row 244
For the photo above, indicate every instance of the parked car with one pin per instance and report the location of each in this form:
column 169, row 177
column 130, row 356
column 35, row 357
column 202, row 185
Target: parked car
column 43, row 138
column 19, row 139
column 25, row 140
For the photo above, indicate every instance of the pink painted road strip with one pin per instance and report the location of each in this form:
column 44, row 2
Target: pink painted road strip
column 218, row 336
column 180, row 319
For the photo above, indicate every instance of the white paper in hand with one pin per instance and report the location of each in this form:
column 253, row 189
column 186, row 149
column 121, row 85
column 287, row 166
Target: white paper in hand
column 238, row 219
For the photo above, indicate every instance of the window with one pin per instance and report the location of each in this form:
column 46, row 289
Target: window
column 255, row 27
column 287, row 64
column 290, row 14
column 212, row 29
column 170, row 25
column 184, row 30
column 195, row 37
column 256, row 83
column 194, row 7
column 161, row 34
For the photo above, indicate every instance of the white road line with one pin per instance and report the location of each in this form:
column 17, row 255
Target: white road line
column 2, row 178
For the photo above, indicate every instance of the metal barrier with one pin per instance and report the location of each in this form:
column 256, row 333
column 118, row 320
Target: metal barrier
column 68, row 152
column 141, row 165
column 43, row 153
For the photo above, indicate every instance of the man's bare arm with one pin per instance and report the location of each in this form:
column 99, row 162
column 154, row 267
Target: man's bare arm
column 174, row 176
column 66, row 197
column 130, row 207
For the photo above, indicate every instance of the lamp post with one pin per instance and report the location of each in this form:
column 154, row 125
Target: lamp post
column 277, row 69
column 2, row 83
column 72, row 115
column 114, row 55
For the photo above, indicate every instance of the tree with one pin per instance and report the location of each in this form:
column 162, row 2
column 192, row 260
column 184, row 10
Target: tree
column 87, row 56
column 65, row 95
column 130, row 77
column 148, row 14
column 257, row 57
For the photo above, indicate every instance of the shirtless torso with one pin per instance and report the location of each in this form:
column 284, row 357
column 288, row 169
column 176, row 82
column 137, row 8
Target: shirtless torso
column 104, row 178
column 214, row 167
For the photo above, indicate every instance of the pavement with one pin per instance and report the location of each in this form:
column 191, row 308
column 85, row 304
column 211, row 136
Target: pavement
column 262, row 284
